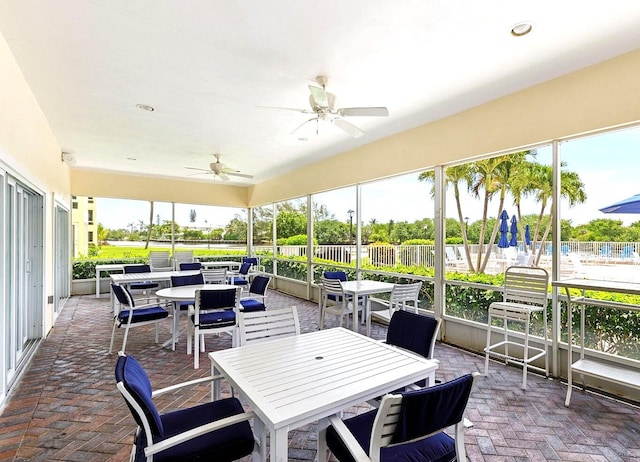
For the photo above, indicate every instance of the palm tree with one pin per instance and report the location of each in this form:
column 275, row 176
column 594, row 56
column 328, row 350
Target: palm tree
column 571, row 188
column 455, row 176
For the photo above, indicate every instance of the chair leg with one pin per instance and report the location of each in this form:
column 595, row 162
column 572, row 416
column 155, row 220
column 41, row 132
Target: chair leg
column 113, row 334
column 546, row 355
column 189, row 336
column 124, row 340
column 486, row 350
column 196, row 348
column 322, row 307
column 526, row 353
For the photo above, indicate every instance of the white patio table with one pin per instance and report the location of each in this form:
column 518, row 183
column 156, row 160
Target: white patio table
column 156, row 276
column 293, row 381
column 364, row 288
column 107, row 268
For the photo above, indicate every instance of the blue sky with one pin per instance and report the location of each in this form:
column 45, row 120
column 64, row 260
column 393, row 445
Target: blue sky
column 607, row 165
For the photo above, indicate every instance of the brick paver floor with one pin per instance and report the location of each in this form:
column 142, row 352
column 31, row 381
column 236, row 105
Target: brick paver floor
column 66, row 406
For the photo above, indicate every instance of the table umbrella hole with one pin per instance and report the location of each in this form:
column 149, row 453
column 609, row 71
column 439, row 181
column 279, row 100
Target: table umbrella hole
column 319, row 357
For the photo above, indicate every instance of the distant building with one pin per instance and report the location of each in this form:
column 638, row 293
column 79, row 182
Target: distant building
column 84, row 224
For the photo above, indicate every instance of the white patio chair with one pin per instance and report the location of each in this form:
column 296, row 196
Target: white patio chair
column 182, row 256
column 127, row 314
column 525, row 293
column 260, row 326
column 216, row 311
column 335, row 301
column 214, row 275
column 159, row 260
column 406, row 426
column 216, row 430
column 403, row 297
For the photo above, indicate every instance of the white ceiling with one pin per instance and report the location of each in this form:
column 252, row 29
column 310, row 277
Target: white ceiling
column 205, row 65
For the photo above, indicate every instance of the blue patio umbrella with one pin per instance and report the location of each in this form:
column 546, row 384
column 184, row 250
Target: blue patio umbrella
column 527, row 235
column 629, row 205
column 503, row 242
column 514, row 232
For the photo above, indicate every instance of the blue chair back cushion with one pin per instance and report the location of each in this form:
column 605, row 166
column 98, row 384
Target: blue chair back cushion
column 259, row 285
column 341, row 275
column 250, row 260
column 137, row 268
column 216, row 299
column 437, row 448
column 250, row 305
column 190, row 266
column 244, row 268
column 120, row 293
column 411, row 331
column 429, row 409
column 135, row 380
column 191, row 280
column 140, row 269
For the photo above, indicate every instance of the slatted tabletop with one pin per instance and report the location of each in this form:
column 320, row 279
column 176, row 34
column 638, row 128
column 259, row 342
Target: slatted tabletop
column 293, row 381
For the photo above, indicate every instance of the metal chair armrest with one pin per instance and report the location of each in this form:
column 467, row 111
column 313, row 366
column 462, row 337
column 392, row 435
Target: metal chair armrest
column 198, row 431
column 348, row 439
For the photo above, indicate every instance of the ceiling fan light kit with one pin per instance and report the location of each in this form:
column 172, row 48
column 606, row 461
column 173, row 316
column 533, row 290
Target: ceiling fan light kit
column 323, row 107
column 219, row 170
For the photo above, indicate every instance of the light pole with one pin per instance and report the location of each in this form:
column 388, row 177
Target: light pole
column 350, row 213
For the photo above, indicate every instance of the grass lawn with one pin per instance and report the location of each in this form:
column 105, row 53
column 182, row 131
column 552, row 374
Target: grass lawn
column 114, row 252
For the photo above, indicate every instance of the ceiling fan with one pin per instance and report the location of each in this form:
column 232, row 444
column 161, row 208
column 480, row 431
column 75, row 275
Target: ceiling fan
column 323, row 107
column 220, row 170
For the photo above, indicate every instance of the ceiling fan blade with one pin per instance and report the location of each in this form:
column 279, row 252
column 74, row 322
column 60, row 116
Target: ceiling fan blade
column 319, row 96
column 302, row 125
column 241, row 175
column 348, row 127
column 204, row 170
column 364, row 111
column 222, row 176
column 304, row 111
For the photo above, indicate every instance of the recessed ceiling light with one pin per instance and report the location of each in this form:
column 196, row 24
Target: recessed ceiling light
column 145, row 107
column 522, row 28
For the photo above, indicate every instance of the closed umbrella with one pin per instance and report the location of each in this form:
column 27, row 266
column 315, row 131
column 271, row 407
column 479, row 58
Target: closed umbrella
column 527, row 235
column 514, row 232
column 503, row 242
column 629, row 205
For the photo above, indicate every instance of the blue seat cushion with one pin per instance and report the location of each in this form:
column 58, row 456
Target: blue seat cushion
column 143, row 314
column 240, row 281
column 214, row 319
column 437, row 448
column 251, row 305
column 227, row 444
